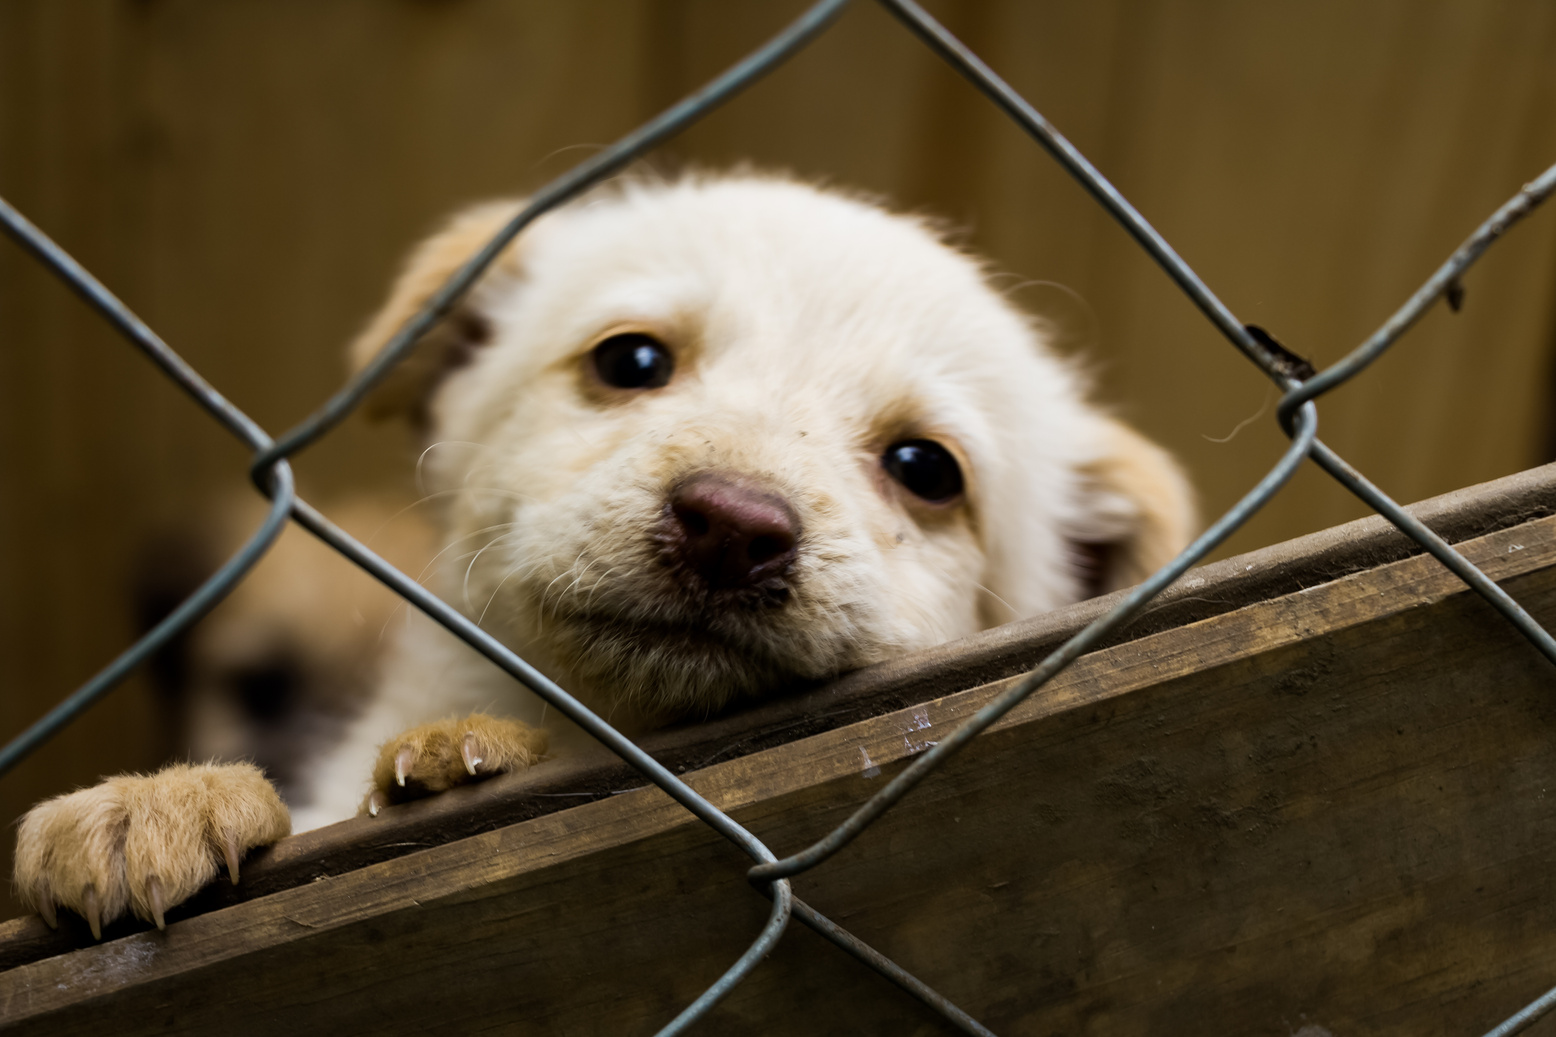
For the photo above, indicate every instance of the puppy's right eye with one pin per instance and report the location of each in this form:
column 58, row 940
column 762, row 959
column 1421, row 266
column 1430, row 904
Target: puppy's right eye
column 633, row 361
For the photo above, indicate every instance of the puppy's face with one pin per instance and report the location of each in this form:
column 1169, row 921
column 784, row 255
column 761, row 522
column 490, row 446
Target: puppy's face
column 707, row 438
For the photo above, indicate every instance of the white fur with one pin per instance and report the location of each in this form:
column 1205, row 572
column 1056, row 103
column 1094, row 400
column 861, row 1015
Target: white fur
column 810, row 331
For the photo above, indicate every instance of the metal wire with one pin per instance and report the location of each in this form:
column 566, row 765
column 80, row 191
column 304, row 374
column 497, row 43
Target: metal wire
column 1527, row 1016
column 271, row 472
column 569, row 185
column 892, row 971
column 1067, row 653
column 235, row 421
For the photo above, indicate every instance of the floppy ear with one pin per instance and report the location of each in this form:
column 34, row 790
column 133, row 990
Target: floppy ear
column 1140, row 510
column 452, row 342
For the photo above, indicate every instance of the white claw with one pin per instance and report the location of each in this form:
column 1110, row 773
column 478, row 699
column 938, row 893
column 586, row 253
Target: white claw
column 93, row 916
column 154, row 894
column 402, row 764
column 374, row 803
column 230, row 850
column 469, row 751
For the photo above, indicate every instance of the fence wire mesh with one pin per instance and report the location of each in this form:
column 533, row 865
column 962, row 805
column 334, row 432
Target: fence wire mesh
column 771, row 875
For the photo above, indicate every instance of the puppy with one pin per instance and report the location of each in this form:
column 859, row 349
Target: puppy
column 278, row 671
column 695, row 442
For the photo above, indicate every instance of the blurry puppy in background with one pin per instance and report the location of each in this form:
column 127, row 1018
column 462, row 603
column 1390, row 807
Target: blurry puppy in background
column 694, row 442
column 281, row 667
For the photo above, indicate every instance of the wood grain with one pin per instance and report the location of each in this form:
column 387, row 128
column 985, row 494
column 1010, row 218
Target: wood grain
column 989, row 656
column 1324, row 808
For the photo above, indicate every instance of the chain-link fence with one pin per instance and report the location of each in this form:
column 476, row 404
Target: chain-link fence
column 771, row 875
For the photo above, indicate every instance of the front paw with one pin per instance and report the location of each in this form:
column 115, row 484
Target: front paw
column 143, row 843
column 436, row 757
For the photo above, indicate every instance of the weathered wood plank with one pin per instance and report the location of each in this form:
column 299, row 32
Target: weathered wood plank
column 1327, row 807
column 992, row 655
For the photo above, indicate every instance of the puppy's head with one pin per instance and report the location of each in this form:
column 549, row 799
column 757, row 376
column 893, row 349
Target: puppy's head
column 704, row 438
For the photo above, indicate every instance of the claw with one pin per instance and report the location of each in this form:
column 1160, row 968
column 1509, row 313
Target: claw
column 470, row 751
column 230, row 848
column 46, row 909
column 93, row 916
column 375, row 802
column 402, row 764
column 154, row 894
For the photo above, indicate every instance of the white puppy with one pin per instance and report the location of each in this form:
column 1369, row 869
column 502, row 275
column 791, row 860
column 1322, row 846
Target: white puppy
column 697, row 442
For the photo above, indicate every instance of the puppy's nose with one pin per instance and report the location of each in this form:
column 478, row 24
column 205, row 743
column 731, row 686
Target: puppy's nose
column 733, row 532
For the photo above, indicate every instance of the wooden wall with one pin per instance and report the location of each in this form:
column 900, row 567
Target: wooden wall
column 245, row 175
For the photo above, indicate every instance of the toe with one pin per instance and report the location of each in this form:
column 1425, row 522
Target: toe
column 69, row 854
column 446, row 753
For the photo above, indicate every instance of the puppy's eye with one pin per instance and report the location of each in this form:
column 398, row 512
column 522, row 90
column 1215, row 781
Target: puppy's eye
column 926, row 468
column 633, row 361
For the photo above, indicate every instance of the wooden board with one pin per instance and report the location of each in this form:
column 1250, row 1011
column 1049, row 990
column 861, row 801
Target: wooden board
column 275, row 161
column 1328, row 807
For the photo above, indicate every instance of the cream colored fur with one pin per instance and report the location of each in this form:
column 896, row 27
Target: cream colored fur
column 143, row 843
column 810, row 331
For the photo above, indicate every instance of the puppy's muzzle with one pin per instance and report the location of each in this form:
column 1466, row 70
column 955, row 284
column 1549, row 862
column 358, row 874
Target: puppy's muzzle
column 730, row 533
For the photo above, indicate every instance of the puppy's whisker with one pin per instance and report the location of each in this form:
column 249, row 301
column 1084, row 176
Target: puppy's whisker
column 507, row 530
column 590, row 148
column 951, row 577
column 421, row 458
column 572, row 586
column 469, row 605
column 428, row 498
column 1014, row 615
column 547, row 592
column 465, row 486
column 493, row 491
column 482, row 470
column 1249, row 420
column 578, row 578
column 589, row 602
column 523, row 570
column 402, row 607
column 495, row 590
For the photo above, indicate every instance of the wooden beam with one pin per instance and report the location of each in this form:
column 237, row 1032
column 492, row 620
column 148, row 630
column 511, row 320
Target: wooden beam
column 1330, row 806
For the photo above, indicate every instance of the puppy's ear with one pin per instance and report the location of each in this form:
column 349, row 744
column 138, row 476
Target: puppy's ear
column 1139, row 507
column 452, row 342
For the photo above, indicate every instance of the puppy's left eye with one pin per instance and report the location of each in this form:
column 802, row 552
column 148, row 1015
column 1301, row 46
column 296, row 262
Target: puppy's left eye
column 926, row 468
column 633, row 361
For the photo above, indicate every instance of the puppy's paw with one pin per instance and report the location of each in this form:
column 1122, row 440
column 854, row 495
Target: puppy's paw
column 436, row 757
column 143, row 843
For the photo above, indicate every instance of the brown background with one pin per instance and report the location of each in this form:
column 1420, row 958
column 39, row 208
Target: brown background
column 246, row 174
